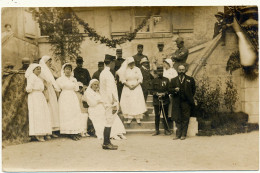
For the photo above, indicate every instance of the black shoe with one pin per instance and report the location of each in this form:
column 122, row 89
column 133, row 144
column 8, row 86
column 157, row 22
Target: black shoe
column 167, row 132
column 109, row 147
column 156, row 133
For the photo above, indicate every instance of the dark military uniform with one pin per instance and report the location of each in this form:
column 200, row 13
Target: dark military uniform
column 147, row 81
column 82, row 75
column 138, row 58
column 96, row 75
column 179, row 57
column 119, row 62
column 160, row 85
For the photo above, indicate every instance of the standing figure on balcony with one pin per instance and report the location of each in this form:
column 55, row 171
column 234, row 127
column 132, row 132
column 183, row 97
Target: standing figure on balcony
column 220, row 26
column 183, row 90
column 139, row 55
column 181, row 54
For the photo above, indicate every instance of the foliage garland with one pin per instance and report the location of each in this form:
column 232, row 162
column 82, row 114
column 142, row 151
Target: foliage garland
column 111, row 42
column 61, row 27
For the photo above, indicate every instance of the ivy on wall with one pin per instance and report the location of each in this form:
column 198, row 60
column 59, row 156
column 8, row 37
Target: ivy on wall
column 61, row 27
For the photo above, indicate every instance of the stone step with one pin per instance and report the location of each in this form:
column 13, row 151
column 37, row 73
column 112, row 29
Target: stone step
column 149, row 125
column 143, row 131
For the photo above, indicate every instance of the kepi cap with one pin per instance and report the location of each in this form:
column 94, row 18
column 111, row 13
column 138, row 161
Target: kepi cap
column 219, row 14
column 79, row 59
column 25, row 60
column 100, row 64
column 140, row 46
column 179, row 40
column 119, row 51
column 160, row 68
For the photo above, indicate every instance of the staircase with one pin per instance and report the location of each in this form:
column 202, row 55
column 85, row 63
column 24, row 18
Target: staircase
column 147, row 123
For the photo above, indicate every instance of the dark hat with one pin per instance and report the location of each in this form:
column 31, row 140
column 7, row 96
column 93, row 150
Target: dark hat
column 79, row 59
column 219, row 14
column 160, row 68
column 160, row 43
column 179, row 40
column 119, row 51
column 109, row 57
column 25, row 60
column 140, row 46
column 100, row 64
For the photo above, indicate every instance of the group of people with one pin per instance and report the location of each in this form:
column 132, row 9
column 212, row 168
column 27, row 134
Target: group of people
column 120, row 85
column 56, row 105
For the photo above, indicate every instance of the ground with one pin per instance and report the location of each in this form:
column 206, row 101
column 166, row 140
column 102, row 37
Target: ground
column 140, row 152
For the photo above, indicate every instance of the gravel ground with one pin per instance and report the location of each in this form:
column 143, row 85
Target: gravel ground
column 140, row 152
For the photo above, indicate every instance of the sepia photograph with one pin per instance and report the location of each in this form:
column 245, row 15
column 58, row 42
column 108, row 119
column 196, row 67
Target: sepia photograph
column 130, row 88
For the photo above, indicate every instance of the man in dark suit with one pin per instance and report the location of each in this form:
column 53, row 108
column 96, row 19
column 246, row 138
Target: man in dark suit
column 81, row 74
column 139, row 55
column 183, row 90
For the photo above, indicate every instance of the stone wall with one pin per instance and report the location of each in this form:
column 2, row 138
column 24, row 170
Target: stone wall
column 92, row 52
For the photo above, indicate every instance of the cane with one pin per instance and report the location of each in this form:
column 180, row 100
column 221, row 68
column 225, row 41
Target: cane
column 164, row 116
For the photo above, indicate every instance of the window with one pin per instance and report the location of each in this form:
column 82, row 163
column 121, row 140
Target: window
column 120, row 21
column 140, row 15
column 30, row 29
column 182, row 19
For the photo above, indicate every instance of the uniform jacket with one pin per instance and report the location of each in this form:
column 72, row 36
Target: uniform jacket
column 160, row 85
column 189, row 91
column 180, row 56
column 147, row 79
column 96, row 75
column 82, row 75
column 138, row 58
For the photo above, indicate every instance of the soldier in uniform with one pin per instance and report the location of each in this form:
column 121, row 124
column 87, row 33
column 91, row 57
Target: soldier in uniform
column 81, row 74
column 183, row 90
column 139, row 55
column 147, row 77
column 160, row 87
column 180, row 56
column 118, row 64
column 26, row 63
column 100, row 68
column 158, row 58
column 119, row 59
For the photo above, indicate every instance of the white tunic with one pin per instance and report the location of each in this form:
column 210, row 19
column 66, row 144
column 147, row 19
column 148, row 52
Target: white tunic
column 39, row 114
column 108, row 92
column 132, row 101
column 97, row 111
column 69, row 107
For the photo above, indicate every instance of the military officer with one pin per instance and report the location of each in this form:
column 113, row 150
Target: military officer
column 81, row 74
column 147, row 77
column 139, row 55
column 100, row 68
column 158, row 58
column 181, row 54
column 119, row 59
column 160, row 87
column 26, row 63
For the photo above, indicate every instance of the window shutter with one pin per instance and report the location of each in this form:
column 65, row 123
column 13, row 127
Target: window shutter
column 183, row 19
column 30, row 29
column 120, row 21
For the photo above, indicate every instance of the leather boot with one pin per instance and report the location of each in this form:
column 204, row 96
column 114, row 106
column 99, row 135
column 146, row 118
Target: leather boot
column 107, row 144
column 109, row 132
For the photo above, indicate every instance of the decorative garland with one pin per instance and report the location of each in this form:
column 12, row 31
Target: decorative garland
column 110, row 42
